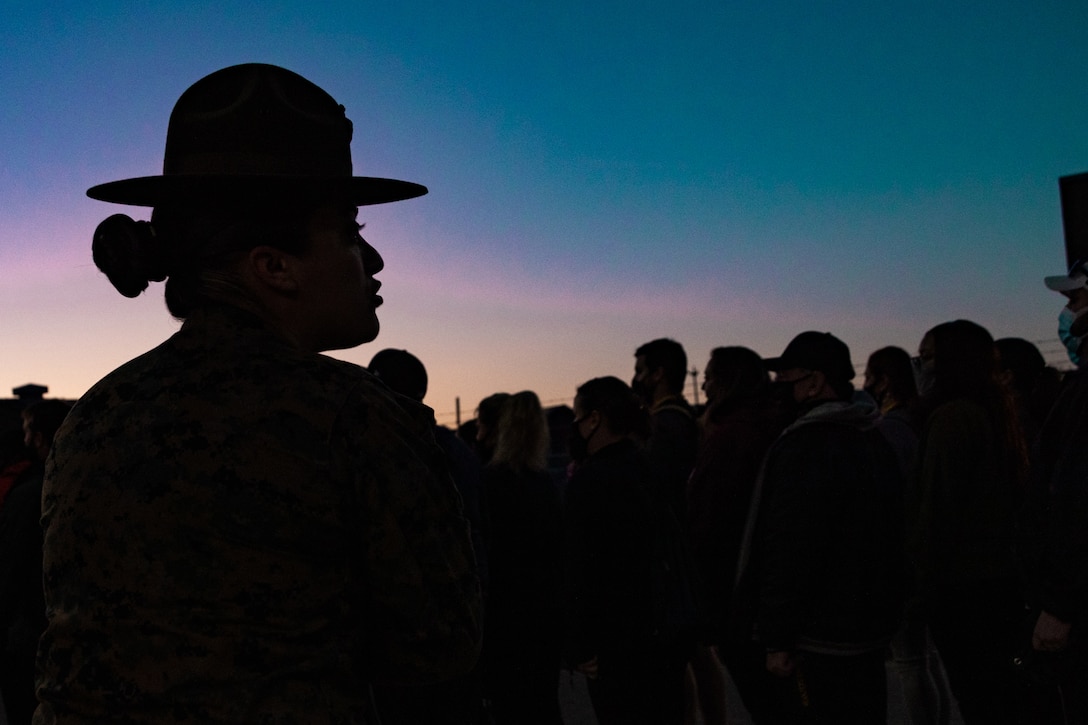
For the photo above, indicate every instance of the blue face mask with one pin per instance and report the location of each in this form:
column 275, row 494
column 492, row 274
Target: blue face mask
column 1065, row 331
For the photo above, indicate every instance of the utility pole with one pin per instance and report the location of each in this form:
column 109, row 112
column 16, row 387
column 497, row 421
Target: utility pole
column 695, row 384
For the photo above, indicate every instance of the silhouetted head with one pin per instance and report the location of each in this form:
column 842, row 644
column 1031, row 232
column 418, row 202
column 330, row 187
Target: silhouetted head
column 963, row 360
column 521, row 434
column 613, row 402
column 41, row 421
column 402, row 371
column 817, row 365
column 660, row 370
column 889, row 376
column 1021, row 361
column 256, row 208
column 734, row 374
column 487, row 422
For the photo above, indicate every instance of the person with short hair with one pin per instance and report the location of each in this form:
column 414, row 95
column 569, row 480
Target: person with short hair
column 238, row 528
column 673, row 437
column 819, row 589
column 457, row 700
column 613, row 536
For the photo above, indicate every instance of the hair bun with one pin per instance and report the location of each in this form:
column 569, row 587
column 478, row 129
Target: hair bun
column 127, row 252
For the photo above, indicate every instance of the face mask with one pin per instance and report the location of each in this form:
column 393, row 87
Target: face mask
column 577, row 445
column 1066, row 319
column 782, row 395
column 923, row 377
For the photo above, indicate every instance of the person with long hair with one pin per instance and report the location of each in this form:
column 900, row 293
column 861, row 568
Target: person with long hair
column 523, row 623
column 889, row 380
column 738, row 427
column 487, row 421
column 972, row 464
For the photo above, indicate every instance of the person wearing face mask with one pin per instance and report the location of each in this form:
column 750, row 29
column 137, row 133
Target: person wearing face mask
column 614, row 539
column 1056, row 539
column 890, row 380
column 1073, row 318
column 972, row 464
column 819, row 589
column 738, row 427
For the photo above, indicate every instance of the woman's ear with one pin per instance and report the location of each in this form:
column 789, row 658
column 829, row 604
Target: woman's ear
column 273, row 268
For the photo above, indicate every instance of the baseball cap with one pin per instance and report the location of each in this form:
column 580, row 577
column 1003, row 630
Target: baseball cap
column 820, row 351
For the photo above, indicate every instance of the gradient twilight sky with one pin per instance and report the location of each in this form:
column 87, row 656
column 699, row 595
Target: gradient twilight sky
column 601, row 173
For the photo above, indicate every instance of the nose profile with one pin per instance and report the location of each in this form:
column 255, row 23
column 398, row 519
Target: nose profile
column 372, row 260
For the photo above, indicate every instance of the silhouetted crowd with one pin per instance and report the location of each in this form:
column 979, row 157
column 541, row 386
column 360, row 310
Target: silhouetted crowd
column 822, row 533
column 235, row 528
column 800, row 533
column 805, row 535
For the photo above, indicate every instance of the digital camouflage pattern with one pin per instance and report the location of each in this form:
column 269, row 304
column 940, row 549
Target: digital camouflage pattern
column 239, row 532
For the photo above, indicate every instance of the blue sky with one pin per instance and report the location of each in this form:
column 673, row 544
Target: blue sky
column 601, row 173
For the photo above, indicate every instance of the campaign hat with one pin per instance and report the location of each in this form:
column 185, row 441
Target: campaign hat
column 256, row 132
column 1077, row 278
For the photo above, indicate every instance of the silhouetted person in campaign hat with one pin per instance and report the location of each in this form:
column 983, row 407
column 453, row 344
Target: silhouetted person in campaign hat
column 237, row 528
column 1056, row 538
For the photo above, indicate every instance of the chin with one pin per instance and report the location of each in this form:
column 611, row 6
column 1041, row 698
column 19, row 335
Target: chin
column 359, row 337
column 370, row 335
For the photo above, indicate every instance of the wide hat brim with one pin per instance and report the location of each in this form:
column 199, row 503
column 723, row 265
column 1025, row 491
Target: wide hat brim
column 158, row 190
column 1065, row 283
column 256, row 133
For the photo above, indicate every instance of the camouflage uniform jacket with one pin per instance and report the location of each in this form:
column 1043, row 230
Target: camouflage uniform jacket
column 237, row 531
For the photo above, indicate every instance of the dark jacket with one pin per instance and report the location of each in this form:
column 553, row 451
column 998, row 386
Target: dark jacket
column 719, row 495
column 523, row 621
column 1055, row 534
column 961, row 513
column 822, row 569
column 609, row 533
column 671, row 450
